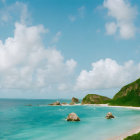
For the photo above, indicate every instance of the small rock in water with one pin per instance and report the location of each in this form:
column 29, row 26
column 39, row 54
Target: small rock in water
column 72, row 103
column 56, row 103
column 73, row 117
column 29, row 105
column 109, row 115
column 64, row 104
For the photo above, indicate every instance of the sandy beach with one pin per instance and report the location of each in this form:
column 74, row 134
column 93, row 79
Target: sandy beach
column 129, row 133
column 130, row 107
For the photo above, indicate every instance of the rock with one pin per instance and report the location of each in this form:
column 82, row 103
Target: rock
column 64, row 104
column 75, row 100
column 109, row 115
column 72, row 103
column 29, row 105
column 73, row 117
column 56, row 103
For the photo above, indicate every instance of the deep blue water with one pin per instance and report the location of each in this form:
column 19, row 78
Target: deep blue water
column 42, row 122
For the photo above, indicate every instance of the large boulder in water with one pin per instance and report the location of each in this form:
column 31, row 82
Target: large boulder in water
column 73, row 117
column 56, row 103
column 109, row 115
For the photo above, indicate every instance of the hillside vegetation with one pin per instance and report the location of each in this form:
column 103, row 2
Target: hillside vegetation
column 129, row 95
column 133, row 137
column 95, row 99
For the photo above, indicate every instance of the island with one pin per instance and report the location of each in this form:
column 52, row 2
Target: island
column 95, row 99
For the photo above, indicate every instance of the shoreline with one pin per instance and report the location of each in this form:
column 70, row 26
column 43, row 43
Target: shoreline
column 125, row 135
column 106, row 105
column 128, row 133
column 101, row 105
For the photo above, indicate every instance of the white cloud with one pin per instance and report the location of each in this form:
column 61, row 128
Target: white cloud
column 111, row 28
column 18, row 9
column 56, row 37
column 123, row 14
column 127, row 30
column 26, row 63
column 79, row 15
column 72, row 18
column 62, row 87
column 71, row 64
column 108, row 74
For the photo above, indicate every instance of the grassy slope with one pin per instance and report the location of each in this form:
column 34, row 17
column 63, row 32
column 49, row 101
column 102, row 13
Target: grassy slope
column 129, row 95
column 95, row 99
column 133, row 137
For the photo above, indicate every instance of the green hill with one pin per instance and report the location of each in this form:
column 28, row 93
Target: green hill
column 95, row 99
column 129, row 95
column 133, row 137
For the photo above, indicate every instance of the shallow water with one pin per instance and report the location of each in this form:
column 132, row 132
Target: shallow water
column 43, row 122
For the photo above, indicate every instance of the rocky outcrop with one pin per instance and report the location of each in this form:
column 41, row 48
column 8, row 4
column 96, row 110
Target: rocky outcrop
column 56, row 103
column 109, row 115
column 29, row 105
column 73, row 117
column 95, row 99
column 74, row 101
column 64, row 104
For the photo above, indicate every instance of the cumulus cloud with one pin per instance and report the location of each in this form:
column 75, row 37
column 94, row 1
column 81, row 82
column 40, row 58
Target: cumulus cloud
column 111, row 28
column 123, row 14
column 108, row 74
column 26, row 63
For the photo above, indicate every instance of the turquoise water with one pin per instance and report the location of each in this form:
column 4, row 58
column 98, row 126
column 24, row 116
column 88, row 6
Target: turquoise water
column 42, row 122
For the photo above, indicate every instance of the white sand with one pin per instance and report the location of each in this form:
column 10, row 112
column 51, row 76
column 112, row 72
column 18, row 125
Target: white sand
column 106, row 105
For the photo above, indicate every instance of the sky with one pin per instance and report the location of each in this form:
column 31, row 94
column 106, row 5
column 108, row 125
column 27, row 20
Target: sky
column 63, row 48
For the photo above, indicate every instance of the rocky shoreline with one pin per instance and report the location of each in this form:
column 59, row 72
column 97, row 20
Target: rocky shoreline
column 74, row 101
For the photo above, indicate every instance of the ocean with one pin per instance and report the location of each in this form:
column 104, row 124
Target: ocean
column 43, row 122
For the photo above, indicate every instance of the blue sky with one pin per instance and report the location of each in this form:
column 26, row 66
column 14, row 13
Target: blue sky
column 60, row 49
